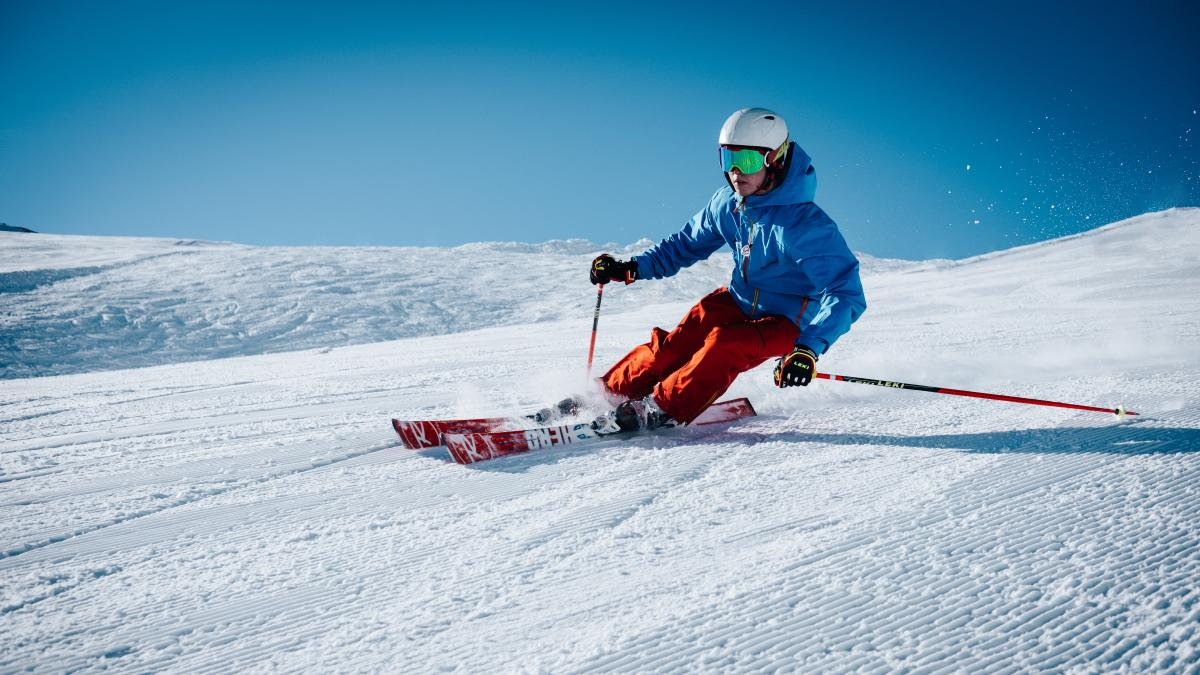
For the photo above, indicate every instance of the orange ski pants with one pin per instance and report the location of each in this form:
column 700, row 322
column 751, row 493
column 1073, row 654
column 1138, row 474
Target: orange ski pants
column 688, row 368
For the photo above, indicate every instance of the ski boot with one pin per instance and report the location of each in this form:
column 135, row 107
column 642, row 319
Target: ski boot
column 639, row 415
column 568, row 407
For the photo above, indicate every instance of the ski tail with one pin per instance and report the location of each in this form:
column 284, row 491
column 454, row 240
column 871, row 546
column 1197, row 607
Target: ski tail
column 468, row 447
column 726, row 411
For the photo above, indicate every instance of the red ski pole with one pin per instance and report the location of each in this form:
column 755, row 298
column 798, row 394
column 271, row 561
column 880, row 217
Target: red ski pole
column 595, row 323
column 1119, row 411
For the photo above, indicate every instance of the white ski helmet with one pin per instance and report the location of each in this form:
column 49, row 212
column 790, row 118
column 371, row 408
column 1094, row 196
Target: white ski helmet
column 754, row 127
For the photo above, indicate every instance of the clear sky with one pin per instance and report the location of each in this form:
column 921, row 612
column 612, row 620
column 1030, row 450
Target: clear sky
column 940, row 130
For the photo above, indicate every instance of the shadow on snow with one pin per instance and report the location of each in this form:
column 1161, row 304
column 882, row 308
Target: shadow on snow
column 1126, row 439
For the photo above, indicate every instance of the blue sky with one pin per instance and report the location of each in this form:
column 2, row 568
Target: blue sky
column 938, row 130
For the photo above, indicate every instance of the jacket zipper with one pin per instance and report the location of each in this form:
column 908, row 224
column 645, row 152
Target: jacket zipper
column 746, row 259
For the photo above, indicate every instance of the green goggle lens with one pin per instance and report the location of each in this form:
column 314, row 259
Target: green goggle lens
column 745, row 160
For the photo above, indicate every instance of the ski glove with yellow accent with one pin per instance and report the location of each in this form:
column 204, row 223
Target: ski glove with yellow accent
column 796, row 369
column 606, row 268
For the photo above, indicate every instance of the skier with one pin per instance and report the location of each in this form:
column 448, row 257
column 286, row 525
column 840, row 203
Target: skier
column 794, row 290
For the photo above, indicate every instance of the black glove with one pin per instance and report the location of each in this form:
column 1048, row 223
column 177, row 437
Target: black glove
column 606, row 268
column 797, row 368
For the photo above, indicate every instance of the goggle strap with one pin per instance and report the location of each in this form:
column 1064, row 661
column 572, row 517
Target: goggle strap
column 782, row 151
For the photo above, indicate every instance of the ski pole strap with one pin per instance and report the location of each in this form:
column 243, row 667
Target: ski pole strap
column 1118, row 411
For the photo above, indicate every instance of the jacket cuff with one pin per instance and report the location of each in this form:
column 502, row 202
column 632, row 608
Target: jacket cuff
column 814, row 344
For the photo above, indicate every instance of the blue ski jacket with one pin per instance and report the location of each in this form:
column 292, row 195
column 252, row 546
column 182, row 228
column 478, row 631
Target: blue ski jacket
column 789, row 258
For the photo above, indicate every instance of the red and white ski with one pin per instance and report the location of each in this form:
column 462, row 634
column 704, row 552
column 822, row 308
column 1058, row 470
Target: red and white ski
column 468, row 447
column 419, row 434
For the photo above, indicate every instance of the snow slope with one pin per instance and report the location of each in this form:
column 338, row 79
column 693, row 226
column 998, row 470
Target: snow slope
column 258, row 513
column 77, row 304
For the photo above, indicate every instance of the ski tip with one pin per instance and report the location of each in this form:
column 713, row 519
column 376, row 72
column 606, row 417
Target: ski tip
column 454, row 443
column 418, row 435
column 468, row 447
column 405, row 440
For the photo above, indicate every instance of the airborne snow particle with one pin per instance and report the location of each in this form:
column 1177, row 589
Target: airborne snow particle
column 968, row 167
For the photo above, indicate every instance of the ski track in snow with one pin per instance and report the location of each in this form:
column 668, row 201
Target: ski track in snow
column 258, row 512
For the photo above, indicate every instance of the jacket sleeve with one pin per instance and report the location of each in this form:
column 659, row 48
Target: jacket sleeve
column 698, row 239
column 841, row 299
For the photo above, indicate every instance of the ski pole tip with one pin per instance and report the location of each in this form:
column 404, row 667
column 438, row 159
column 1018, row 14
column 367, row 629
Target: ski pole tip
column 1122, row 413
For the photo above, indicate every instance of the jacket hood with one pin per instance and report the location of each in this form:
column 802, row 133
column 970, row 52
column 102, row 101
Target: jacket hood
column 799, row 184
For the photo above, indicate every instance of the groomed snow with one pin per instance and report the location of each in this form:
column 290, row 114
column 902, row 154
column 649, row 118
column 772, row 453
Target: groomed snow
column 257, row 512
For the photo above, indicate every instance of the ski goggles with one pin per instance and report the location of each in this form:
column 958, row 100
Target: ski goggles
column 746, row 160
